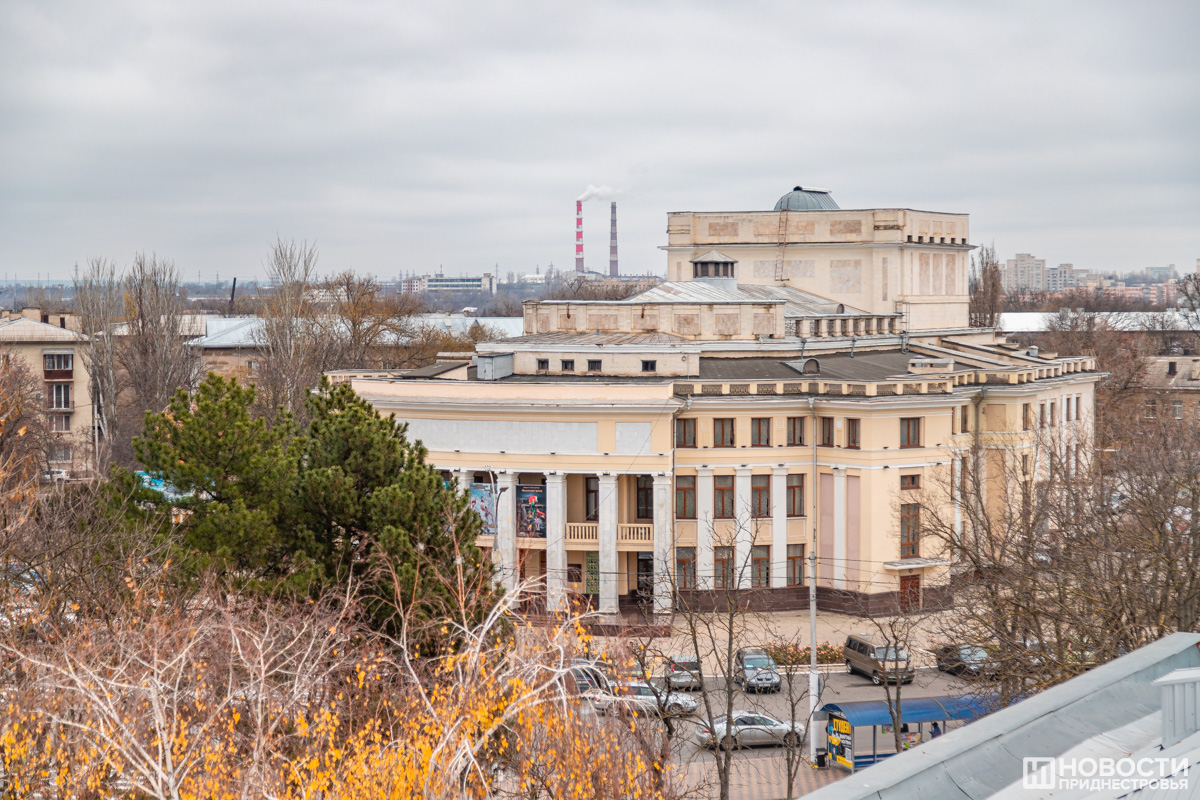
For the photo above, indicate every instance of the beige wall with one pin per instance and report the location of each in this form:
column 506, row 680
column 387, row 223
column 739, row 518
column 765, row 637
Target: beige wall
column 79, row 435
column 924, row 276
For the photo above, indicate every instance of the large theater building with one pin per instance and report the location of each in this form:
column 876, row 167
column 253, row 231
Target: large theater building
column 805, row 367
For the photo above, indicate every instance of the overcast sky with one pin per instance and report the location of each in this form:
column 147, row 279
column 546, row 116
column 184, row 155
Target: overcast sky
column 404, row 135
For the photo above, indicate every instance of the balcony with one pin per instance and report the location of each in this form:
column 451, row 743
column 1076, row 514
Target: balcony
column 58, row 374
column 629, row 536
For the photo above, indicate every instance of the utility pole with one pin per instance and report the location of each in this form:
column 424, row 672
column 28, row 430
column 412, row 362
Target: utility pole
column 814, row 678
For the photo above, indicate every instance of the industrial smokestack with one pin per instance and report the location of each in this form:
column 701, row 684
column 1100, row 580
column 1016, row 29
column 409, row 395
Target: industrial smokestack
column 579, row 236
column 612, row 244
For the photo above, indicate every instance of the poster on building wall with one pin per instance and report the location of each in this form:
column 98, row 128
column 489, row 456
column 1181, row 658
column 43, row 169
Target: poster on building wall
column 531, row 511
column 483, row 502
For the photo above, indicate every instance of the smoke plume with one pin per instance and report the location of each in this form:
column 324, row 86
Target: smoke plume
column 598, row 193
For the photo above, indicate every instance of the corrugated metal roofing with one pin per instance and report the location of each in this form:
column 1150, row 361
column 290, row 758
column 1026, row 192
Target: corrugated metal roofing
column 30, row 330
column 913, row 709
column 797, row 303
column 598, row 339
column 984, row 758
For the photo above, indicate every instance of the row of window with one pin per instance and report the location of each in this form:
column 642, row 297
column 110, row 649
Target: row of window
column 593, row 365
column 1047, row 413
column 57, row 362
column 58, row 395
column 724, row 567
column 760, row 432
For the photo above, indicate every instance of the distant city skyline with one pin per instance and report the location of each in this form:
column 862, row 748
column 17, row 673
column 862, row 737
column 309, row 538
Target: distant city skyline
column 400, row 137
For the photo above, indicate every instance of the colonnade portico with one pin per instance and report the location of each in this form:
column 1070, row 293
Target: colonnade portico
column 603, row 533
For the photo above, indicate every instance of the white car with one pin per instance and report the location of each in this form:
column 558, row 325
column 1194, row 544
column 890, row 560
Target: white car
column 750, row 728
column 639, row 697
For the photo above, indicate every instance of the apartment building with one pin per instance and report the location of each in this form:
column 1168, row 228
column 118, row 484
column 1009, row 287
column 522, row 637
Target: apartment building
column 802, row 378
column 51, row 353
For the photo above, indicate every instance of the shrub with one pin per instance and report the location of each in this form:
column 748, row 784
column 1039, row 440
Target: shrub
column 790, row 654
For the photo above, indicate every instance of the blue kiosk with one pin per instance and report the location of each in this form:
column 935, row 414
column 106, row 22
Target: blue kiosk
column 844, row 720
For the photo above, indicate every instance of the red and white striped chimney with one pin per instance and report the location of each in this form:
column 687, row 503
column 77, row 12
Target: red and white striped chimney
column 579, row 236
column 612, row 244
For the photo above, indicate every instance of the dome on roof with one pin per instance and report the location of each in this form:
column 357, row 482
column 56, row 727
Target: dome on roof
column 801, row 199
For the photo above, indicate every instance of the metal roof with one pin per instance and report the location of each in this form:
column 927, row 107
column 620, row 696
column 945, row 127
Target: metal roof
column 31, row 330
column 913, row 709
column 801, row 199
column 797, row 303
column 574, row 339
column 1102, row 709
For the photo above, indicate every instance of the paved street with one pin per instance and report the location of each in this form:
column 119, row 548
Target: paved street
column 759, row 773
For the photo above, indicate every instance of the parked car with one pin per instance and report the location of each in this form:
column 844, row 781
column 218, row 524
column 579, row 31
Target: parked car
column 750, row 728
column 587, row 678
column 55, row 476
column 640, row 698
column 964, row 659
column 876, row 659
column 755, row 670
column 683, row 672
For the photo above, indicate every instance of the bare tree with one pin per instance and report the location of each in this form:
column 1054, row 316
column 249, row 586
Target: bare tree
column 296, row 343
column 100, row 303
column 154, row 351
column 986, row 287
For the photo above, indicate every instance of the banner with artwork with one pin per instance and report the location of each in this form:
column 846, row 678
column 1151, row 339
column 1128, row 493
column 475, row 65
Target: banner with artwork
column 531, row 511
column 483, row 501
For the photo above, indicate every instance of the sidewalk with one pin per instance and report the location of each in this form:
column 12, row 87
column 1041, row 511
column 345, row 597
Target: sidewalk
column 758, row 779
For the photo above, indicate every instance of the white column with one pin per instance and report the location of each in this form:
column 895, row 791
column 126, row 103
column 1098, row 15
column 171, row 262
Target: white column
column 839, row 528
column 704, row 528
column 779, row 527
column 664, row 543
column 505, row 551
column 744, row 534
column 556, row 542
column 608, row 544
column 465, row 478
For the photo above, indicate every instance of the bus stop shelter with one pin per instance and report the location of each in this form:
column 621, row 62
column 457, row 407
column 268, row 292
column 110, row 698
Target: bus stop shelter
column 845, row 720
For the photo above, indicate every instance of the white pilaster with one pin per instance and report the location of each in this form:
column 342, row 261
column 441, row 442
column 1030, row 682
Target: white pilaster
column 664, row 544
column 608, row 544
column 556, row 542
column 704, row 528
column 779, row 527
column 505, row 551
column 839, row 528
column 744, row 533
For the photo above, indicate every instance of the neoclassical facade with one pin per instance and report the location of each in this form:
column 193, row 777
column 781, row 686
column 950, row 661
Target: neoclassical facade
column 804, row 375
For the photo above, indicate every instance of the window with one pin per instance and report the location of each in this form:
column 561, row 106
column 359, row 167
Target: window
column 910, row 530
column 574, row 573
column 1027, row 417
column 795, row 495
column 685, row 497
column 760, row 432
column 591, row 499
column 723, row 567
column 910, row 481
column 852, row 433
column 1067, row 409
column 1151, row 412
column 723, row 497
column 543, row 364
column 760, row 495
column 57, row 362
column 760, row 566
column 965, row 419
column 910, row 432
column 827, row 431
column 645, row 497
column 1025, row 465
column 252, row 365
column 795, row 565
column 722, row 433
column 1177, row 408
column 60, row 395
column 568, row 365
column 1170, row 368
column 649, row 366
column 1042, row 414
column 60, row 423
column 795, row 431
column 1053, row 416
column 594, row 365
column 685, row 433
column 685, row 567
column 62, row 453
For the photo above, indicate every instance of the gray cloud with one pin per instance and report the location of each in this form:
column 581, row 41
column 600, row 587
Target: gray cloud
column 402, row 136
